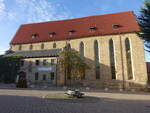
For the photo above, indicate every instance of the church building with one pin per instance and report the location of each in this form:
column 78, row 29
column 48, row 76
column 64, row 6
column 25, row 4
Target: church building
column 109, row 44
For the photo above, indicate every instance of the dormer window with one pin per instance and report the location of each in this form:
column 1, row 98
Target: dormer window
column 35, row 36
column 117, row 26
column 52, row 34
column 71, row 32
column 92, row 29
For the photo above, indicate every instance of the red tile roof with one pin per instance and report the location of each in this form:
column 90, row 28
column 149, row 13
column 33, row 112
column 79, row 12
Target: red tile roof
column 103, row 24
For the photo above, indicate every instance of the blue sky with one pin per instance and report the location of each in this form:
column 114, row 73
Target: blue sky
column 13, row 13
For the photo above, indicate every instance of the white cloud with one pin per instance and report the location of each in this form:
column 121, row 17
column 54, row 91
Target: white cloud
column 27, row 11
column 2, row 5
column 2, row 52
column 2, row 8
column 40, row 10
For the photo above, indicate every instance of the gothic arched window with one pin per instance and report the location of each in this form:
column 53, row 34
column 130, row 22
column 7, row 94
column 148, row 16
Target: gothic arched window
column 112, row 59
column 129, row 60
column 97, row 64
column 82, row 55
column 82, row 50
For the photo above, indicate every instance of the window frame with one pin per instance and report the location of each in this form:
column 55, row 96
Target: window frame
column 112, row 59
column 44, row 62
column 42, row 46
column 129, row 59
column 37, row 62
column 44, row 77
column 97, row 59
column 36, row 76
column 52, row 75
column 35, row 35
column 22, row 63
column 20, row 47
column 54, row 45
column 52, row 34
column 82, row 51
column 31, row 47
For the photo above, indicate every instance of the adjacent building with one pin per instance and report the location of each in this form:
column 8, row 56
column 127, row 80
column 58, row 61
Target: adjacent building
column 108, row 43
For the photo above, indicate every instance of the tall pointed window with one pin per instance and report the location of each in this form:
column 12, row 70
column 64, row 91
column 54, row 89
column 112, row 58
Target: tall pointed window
column 82, row 50
column 112, row 59
column 97, row 64
column 129, row 60
column 82, row 56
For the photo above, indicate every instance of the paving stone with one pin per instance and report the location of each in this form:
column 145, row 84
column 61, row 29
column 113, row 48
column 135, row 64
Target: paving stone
column 27, row 101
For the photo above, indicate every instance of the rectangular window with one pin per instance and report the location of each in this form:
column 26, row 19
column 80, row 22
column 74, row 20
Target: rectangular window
column 52, row 61
column 54, row 45
column 37, row 62
column 30, row 66
column 44, row 62
column 22, row 63
column 52, row 75
column 44, row 77
column 36, row 76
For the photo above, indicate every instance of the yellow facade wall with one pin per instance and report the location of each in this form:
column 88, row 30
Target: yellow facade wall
column 137, row 55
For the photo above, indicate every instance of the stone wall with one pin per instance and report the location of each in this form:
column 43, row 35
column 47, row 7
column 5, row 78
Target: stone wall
column 137, row 55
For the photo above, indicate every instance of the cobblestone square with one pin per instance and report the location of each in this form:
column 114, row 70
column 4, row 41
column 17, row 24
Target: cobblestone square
column 32, row 101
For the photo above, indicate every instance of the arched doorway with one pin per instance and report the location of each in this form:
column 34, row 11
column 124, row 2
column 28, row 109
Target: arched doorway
column 21, row 81
column 22, row 74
